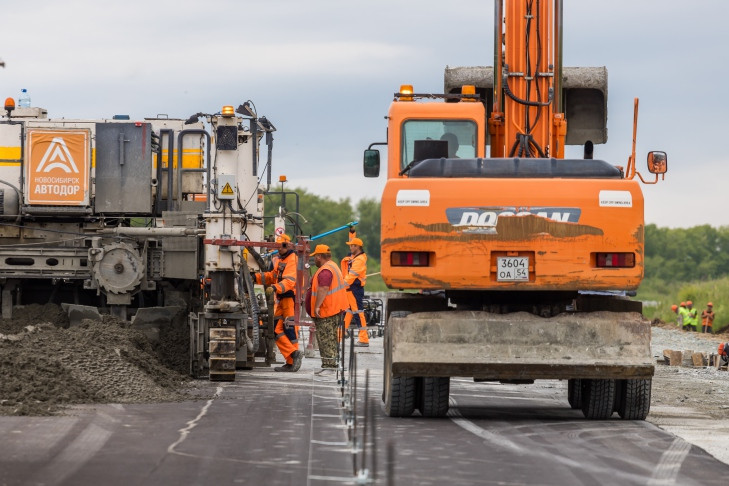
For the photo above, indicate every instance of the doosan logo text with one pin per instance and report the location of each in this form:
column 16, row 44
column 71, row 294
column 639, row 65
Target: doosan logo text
column 488, row 217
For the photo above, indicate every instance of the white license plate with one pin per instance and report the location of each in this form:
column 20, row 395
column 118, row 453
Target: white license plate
column 510, row 269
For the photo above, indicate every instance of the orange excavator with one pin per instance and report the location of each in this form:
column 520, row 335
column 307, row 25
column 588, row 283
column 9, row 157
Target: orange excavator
column 520, row 262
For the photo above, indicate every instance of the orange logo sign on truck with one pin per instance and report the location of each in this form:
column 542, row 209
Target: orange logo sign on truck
column 57, row 168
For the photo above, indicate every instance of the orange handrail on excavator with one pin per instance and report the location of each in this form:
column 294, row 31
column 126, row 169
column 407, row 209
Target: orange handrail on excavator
column 524, row 259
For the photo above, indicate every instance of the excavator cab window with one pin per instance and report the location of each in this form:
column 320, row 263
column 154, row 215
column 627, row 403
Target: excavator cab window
column 460, row 136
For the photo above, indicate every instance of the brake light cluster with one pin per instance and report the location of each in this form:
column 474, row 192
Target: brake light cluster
column 410, row 258
column 615, row 260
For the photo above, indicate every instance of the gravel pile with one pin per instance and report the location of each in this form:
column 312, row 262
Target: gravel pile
column 44, row 364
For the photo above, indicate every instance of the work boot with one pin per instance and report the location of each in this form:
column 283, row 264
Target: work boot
column 298, row 357
column 362, row 345
column 286, row 367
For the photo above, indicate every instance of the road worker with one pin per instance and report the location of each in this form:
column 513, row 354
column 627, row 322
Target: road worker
column 693, row 316
column 354, row 271
column 328, row 301
column 724, row 353
column 707, row 318
column 283, row 281
column 684, row 317
column 679, row 317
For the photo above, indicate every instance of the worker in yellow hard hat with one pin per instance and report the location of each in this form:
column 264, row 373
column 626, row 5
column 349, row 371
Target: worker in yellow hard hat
column 283, row 281
column 354, row 271
column 707, row 318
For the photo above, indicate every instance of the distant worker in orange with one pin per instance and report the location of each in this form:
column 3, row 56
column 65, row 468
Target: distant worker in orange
column 354, row 271
column 707, row 318
column 283, row 281
column 328, row 301
column 674, row 308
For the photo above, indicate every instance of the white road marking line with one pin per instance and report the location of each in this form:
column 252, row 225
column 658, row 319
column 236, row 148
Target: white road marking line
column 193, row 423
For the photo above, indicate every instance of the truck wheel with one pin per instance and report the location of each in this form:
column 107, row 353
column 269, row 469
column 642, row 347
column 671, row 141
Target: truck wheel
column 635, row 399
column 574, row 393
column 598, row 397
column 434, row 396
column 398, row 391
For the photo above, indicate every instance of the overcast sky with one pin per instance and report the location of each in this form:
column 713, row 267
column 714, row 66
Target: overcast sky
column 324, row 73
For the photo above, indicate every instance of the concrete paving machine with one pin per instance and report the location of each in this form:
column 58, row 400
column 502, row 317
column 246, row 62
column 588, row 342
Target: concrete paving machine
column 523, row 260
column 113, row 214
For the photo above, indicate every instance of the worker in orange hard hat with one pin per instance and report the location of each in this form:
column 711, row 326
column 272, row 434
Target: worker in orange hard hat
column 327, row 302
column 683, row 317
column 693, row 314
column 283, row 281
column 707, row 318
column 354, row 271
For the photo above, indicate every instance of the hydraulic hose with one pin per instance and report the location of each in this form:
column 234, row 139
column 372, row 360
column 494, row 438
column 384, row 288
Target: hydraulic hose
column 255, row 310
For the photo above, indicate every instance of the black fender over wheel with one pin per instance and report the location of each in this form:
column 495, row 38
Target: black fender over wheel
column 598, row 397
column 634, row 400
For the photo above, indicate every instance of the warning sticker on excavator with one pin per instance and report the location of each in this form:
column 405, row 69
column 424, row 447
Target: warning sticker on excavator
column 225, row 187
column 57, row 167
column 227, row 190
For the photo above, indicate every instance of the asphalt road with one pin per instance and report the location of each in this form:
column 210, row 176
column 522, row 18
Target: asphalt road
column 294, row 429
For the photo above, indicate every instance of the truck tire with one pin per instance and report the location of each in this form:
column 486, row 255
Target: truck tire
column 574, row 393
column 598, row 397
column 635, row 399
column 398, row 391
column 434, row 396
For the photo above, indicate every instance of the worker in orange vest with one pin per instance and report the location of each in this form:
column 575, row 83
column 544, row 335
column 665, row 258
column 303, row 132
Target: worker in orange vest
column 707, row 318
column 283, row 281
column 354, row 270
column 328, row 301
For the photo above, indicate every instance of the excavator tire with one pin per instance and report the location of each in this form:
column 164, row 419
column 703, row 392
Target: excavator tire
column 574, row 393
column 434, row 396
column 598, row 397
column 635, row 399
column 399, row 392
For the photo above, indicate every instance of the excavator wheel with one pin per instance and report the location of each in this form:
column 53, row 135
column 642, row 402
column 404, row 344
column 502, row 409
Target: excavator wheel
column 635, row 399
column 598, row 397
column 574, row 393
column 399, row 392
column 433, row 396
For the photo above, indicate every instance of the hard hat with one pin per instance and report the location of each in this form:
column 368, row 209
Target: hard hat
column 355, row 241
column 321, row 250
column 710, row 304
column 283, row 238
column 683, row 304
column 674, row 307
column 688, row 302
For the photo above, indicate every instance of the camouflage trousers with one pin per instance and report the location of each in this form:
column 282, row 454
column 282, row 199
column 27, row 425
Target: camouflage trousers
column 326, row 336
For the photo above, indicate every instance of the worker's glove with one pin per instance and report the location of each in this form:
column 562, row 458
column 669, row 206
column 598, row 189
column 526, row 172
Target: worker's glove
column 269, row 291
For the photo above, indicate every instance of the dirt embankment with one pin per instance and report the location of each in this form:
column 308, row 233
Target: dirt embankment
column 45, row 364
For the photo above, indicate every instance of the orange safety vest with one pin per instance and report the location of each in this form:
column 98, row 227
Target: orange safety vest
column 283, row 276
column 707, row 318
column 355, row 268
column 336, row 299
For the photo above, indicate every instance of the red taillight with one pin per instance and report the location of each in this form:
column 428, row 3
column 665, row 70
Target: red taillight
column 615, row 260
column 409, row 258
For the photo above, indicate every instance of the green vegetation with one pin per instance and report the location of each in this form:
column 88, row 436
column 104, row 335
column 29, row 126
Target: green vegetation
column 686, row 264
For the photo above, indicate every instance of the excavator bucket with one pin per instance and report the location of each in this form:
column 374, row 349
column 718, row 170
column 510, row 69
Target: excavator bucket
column 521, row 346
column 584, row 94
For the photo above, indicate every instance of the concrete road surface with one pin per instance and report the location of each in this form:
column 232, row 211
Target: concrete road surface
column 289, row 429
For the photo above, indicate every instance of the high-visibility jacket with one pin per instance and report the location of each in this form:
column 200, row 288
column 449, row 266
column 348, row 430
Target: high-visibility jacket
column 283, row 276
column 336, row 298
column 707, row 318
column 693, row 317
column 684, row 319
column 354, row 270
